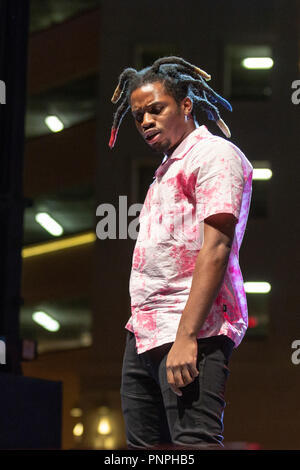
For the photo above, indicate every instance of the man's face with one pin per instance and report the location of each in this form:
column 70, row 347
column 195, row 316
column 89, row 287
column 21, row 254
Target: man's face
column 158, row 118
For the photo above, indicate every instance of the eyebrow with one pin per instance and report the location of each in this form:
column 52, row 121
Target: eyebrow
column 155, row 103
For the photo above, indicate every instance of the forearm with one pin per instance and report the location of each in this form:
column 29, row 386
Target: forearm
column 208, row 276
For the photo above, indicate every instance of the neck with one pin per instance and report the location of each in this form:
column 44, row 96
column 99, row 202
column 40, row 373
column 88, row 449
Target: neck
column 190, row 127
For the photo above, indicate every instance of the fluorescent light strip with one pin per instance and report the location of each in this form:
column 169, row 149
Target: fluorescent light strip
column 262, row 174
column 49, row 224
column 257, row 287
column 258, row 63
column 54, row 123
column 49, row 247
column 46, row 321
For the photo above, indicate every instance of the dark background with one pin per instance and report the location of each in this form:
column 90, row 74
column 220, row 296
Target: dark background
column 68, row 65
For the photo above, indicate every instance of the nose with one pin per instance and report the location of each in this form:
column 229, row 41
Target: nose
column 148, row 121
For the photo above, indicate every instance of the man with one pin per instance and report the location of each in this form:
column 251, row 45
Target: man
column 188, row 302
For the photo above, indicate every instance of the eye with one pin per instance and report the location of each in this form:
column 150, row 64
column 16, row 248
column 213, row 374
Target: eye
column 156, row 109
column 138, row 117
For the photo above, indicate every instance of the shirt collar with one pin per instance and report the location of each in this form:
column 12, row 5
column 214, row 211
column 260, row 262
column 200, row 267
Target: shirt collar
column 183, row 148
column 199, row 133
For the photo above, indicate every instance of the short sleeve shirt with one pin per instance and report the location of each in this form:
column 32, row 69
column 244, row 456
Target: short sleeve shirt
column 205, row 175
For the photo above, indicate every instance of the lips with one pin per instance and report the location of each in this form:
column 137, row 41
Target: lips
column 151, row 136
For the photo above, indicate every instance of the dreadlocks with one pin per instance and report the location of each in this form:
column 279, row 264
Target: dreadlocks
column 180, row 79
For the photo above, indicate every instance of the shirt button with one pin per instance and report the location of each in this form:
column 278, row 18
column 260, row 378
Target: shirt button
column 137, row 309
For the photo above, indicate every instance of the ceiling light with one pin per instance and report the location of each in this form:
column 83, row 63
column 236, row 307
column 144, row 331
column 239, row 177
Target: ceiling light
column 76, row 412
column 56, row 245
column 47, row 322
column 54, row 123
column 257, row 63
column 49, row 224
column 104, row 426
column 78, row 430
column 257, row 287
column 262, row 173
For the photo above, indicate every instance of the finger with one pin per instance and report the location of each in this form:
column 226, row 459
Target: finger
column 170, row 377
column 178, row 378
column 193, row 370
column 187, row 376
column 171, row 382
column 176, row 390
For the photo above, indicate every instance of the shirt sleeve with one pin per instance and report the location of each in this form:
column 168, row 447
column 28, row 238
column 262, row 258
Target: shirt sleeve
column 219, row 182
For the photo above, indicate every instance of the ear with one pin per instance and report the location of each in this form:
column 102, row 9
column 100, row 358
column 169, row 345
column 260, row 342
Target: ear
column 187, row 105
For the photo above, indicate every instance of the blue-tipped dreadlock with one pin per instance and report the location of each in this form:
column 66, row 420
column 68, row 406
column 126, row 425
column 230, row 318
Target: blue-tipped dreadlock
column 180, row 79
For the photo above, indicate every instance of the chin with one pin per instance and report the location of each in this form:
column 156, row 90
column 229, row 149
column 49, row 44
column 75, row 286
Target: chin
column 158, row 150
column 161, row 148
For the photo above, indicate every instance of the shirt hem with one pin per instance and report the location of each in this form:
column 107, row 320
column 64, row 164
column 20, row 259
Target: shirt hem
column 145, row 348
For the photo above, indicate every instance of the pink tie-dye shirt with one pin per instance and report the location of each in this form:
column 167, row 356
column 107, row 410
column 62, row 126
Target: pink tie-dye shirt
column 205, row 175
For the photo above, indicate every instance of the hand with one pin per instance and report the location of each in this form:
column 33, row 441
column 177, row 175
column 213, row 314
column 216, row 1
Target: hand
column 181, row 363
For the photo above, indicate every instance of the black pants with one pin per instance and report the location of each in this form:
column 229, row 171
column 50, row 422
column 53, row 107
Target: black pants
column 155, row 416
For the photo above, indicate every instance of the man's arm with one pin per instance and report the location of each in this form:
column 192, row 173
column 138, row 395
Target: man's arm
column 208, row 276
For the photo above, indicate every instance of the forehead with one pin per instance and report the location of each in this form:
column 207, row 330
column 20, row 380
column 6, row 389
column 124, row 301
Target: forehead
column 148, row 94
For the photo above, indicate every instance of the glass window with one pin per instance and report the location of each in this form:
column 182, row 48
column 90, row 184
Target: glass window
column 73, row 209
column 72, row 103
column 57, row 325
column 259, row 206
column 262, row 175
column 146, row 54
column 247, row 72
column 258, row 313
column 46, row 13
